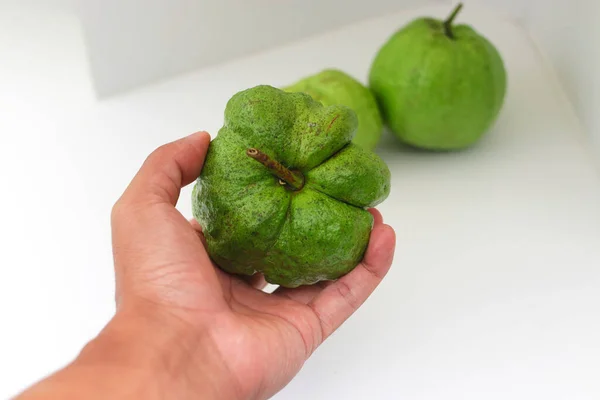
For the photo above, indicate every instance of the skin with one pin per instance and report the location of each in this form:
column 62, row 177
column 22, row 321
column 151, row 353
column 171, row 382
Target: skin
column 439, row 88
column 333, row 86
column 183, row 329
column 284, row 190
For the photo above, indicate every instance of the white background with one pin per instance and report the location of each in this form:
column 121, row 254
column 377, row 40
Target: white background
column 137, row 41
column 494, row 291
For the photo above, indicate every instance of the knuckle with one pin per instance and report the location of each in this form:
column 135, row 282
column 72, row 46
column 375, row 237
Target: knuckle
column 375, row 272
column 345, row 291
column 160, row 152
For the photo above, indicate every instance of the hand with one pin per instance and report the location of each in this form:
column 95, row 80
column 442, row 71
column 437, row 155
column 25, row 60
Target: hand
column 185, row 329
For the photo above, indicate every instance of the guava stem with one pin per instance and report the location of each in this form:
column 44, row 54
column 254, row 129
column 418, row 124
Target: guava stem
column 448, row 22
column 293, row 179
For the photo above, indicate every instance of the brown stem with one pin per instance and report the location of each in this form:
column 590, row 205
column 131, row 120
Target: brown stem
column 448, row 22
column 293, row 179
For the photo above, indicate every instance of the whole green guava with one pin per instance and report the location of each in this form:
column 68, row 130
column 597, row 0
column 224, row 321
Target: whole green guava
column 333, row 86
column 439, row 86
column 283, row 190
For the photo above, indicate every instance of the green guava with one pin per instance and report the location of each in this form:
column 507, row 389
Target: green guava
column 285, row 192
column 439, row 86
column 332, row 86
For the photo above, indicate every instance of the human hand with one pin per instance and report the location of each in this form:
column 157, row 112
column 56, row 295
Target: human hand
column 184, row 328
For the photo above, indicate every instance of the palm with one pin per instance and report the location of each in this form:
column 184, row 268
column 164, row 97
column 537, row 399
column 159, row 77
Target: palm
column 278, row 331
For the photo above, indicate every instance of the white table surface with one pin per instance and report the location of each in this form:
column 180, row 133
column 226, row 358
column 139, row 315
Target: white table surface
column 494, row 292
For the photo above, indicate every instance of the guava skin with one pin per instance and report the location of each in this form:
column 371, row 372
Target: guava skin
column 332, row 86
column 438, row 91
column 254, row 221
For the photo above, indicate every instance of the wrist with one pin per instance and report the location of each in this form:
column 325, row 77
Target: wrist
column 141, row 354
column 152, row 354
column 137, row 341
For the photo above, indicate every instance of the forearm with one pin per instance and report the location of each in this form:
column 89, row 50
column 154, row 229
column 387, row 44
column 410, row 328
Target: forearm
column 131, row 358
column 95, row 382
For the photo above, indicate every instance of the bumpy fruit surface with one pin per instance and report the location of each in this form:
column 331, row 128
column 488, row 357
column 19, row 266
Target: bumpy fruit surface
column 283, row 190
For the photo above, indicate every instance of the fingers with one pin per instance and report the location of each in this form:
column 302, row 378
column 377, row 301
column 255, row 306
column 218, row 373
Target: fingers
column 377, row 217
column 169, row 168
column 340, row 299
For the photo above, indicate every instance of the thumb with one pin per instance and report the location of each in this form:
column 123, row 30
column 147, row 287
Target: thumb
column 152, row 242
column 166, row 170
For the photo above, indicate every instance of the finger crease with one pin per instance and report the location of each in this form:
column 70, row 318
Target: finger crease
column 345, row 291
column 323, row 324
column 372, row 271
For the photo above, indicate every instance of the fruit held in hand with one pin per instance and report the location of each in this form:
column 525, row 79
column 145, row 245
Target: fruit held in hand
column 440, row 86
column 283, row 190
column 332, row 86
